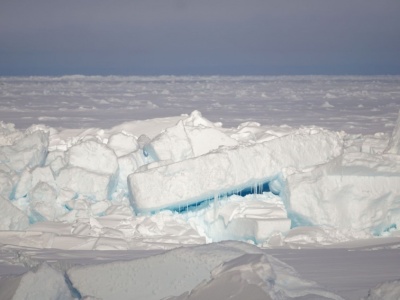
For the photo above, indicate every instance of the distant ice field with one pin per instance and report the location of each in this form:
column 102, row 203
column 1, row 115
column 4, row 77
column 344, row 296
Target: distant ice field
column 200, row 187
column 355, row 104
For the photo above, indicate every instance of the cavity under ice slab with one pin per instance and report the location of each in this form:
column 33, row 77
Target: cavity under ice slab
column 228, row 169
column 254, row 217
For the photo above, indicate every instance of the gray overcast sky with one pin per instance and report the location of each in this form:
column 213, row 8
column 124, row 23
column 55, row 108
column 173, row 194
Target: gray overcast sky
column 199, row 37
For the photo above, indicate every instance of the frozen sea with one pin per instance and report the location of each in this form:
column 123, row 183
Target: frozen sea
column 354, row 104
column 119, row 188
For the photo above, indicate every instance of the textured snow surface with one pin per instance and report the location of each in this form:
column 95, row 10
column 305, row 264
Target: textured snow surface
column 205, row 271
column 386, row 290
column 42, row 282
column 270, row 176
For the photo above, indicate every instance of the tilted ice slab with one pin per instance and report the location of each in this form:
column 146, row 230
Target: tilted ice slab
column 229, row 169
column 356, row 191
column 189, row 138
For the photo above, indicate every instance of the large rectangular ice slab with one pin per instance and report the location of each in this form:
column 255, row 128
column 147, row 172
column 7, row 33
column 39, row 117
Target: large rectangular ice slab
column 189, row 181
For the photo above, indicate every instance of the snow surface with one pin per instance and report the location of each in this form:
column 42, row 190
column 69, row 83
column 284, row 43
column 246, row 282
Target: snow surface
column 277, row 180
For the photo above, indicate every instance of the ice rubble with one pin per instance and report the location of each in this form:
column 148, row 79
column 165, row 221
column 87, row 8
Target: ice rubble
column 86, row 184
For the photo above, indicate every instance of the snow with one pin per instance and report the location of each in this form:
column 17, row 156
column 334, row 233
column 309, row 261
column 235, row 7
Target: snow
column 27, row 151
column 122, row 143
column 386, row 290
column 93, row 156
column 11, row 217
column 86, row 183
column 394, row 142
column 52, row 285
column 355, row 191
column 206, row 272
column 254, row 217
column 299, row 163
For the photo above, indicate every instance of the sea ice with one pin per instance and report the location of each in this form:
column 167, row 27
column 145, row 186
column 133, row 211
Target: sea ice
column 229, row 169
column 41, row 283
column 31, row 177
column 251, row 218
column 93, row 156
column 83, row 182
column 28, row 151
column 11, row 218
column 172, row 144
column 394, row 142
column 194, row 273
column 6, row 184
column 256, row 276
column 355, row 191
column 43, row 201
column 191, row 137
column 385, row 290
column 122, row 143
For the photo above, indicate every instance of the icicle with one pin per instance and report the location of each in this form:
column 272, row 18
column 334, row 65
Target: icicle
column 215, row 205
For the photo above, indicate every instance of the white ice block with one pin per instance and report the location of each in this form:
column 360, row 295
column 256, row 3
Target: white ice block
column 192, row 137
column 172, row 144
column 83, row 182
column 93, row 156
column 29, row 151
column 357, row 191
column 6, row 184
column 122, row 143
column 11, row 218
column 29, row 178
column 43, row 283
column 252, row 218
column 394, row 143
column 192, row 180
column 43, row 200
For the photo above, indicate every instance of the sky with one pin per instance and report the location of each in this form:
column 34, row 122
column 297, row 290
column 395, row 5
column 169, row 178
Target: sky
column 199, row 37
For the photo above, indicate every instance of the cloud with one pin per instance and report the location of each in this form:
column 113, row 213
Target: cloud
column 199, row 36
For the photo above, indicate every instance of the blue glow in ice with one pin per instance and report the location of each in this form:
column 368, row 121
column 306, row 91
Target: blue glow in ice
column 384, row 230
column 257, row 188
column 298, row 220
column 35, row 217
